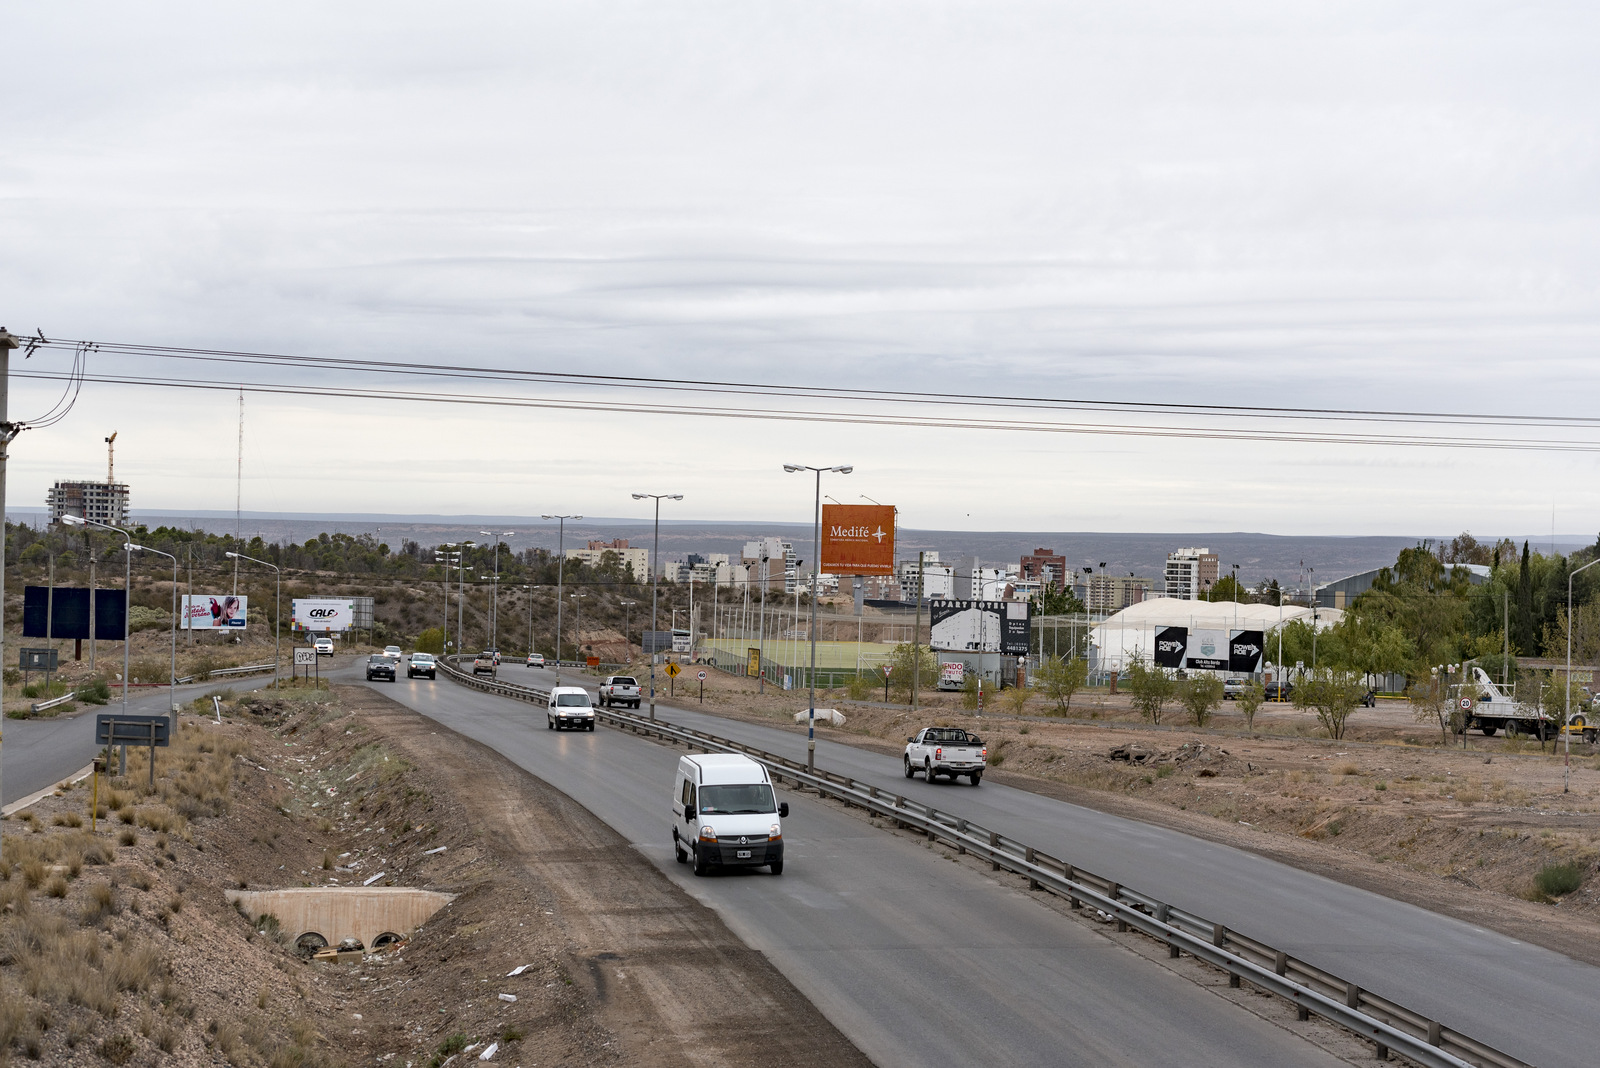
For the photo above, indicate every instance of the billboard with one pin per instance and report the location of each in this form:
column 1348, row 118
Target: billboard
column 1244, row 651
column 70, row 617
column 322, row 614
column 1208, row 651
column 1171, row 644
column 981, row 626
column 202, row 611
column 1204, row 650
column 857, row 539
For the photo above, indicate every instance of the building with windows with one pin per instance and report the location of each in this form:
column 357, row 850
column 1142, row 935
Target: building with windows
column 104, row 502
column 1190, row 573
column 1045, row 565
column 593, row 555
column 1112, row 593
column 775, row 559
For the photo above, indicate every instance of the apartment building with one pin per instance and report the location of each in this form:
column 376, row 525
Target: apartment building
column 1190, row 573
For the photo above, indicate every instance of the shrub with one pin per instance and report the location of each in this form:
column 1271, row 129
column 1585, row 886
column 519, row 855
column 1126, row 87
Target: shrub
column 1151, row 688
column 118, row 1048
column 1248, row 700
column 1200, row 694
column 1060, row 677
column 1558, row 880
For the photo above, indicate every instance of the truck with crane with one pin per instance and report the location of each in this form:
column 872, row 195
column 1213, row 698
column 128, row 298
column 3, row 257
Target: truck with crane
column 1490, row 708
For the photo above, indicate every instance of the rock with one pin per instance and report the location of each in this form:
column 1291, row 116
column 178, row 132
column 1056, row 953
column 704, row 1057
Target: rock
column 1134, row 753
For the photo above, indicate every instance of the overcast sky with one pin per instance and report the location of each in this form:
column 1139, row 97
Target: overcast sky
column 1318, row 205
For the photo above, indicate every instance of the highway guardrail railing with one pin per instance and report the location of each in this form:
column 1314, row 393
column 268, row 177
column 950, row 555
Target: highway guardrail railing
column 1388, row 1025
column 41, row 706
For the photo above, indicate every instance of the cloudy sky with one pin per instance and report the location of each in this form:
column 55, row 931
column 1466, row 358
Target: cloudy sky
column 1309, row 206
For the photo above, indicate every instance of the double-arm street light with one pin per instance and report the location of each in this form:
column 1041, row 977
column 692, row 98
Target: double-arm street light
column 494, row 596
column 277, row 613
column 627, row 618
column 1566, row 720
column 172, row 685
column 577, row 639
column 816, row 583
column 655, row 567
column 127, row 589
column 561, row 564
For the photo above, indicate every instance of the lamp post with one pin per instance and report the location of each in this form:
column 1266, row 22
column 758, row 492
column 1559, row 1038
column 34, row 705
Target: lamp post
column 655, row 566
column 577, row 640
column 277, row 617
column 127, row 589
column 448, row 554
column 816, row 583
column 1566, row 720
column 172, row 683
column 561, row 563
column 627, row 618
column 494, row 596
column 461, row 599
column 529, row 591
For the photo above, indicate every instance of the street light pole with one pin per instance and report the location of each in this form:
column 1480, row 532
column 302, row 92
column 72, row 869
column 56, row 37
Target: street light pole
column 461, row 600
column 494, row 596
column 561, row 564
column 277, row 620
column 655, row 567
column 172, row 684
column 816, row 583
column 1566, row 721
column 577, row 641
column 627, row 618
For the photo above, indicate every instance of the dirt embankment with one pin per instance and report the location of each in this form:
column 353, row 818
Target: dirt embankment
column 120, row 946
column 1464, row 831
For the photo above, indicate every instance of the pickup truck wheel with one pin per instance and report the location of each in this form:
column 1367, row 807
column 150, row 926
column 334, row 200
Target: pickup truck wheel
column 910, row 771
column 927, row 770
column 976, row 777
column 777, row 867
column 699, row 865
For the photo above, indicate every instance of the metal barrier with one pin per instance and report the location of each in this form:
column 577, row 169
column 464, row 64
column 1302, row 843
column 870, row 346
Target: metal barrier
column 40, row 706
column 1388, row 1025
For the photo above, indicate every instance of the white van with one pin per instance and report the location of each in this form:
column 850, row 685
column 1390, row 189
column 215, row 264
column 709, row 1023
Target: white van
column 725, row 815
column 570, row 707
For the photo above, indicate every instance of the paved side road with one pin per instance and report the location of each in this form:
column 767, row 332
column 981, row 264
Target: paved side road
column 1453, row 971
column 915, row 959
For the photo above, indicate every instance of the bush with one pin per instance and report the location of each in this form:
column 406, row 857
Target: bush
column 1151, row 688
column 1248, row 700
column 431, row 641
column 1060, row 678
column 1558, row 880
column 95, row 692
column 1200, row 694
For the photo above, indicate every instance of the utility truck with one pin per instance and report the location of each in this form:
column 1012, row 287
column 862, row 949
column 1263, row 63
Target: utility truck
column 1487, row 706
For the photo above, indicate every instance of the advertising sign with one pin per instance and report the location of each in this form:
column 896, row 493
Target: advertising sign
column 857, row 539
column 320, row 614
column 1171, row 644
column 753, row 667
column 682, row 641
column 1244, row 651
column 70, row 617
column 202, row 611
column 980, row 626
column 1208, row 651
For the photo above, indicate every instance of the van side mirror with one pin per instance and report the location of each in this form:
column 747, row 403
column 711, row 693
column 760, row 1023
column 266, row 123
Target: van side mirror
column 688, row 813
column 911, row 738
column 783, row 810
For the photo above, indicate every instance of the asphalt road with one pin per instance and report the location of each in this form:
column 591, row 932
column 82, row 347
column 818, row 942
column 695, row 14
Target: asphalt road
column 914, row 958
column 1527, row 1000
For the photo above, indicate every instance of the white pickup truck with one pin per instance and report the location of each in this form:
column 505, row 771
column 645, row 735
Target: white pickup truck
column 948, row 751
column 619, row 690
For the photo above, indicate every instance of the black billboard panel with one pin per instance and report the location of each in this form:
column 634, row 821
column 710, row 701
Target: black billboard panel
column 1244, row 651
column 1171, row 642
column 70, row 619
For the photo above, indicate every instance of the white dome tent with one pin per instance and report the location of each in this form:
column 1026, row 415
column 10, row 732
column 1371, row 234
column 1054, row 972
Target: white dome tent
column 1131, row 633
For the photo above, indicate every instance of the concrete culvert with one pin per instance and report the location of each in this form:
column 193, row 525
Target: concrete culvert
column 388, row 938
column 308, row 944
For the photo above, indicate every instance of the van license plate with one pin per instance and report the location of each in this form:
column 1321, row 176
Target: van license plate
column 743, row 854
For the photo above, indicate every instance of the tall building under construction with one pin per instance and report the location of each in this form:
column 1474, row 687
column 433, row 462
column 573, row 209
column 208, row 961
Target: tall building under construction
column 104, row 502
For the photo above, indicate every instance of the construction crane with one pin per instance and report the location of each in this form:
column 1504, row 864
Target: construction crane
column 111, row 458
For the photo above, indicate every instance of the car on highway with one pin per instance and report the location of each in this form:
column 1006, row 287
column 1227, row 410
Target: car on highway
column 392, row 652
column 380, row 667
column 951, row 751
column 324, row 646
column 619, row 690
column 536, row 660
column 1232, row 688
column 422, row 664
column 485, row 663
column 569, row 707
column 727, row 812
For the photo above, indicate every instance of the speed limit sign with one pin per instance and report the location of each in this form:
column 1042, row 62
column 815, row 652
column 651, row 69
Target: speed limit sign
column 701, row 675
column 1466, row 703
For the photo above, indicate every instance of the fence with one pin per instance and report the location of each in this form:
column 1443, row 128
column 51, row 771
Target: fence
column 1387, row 1024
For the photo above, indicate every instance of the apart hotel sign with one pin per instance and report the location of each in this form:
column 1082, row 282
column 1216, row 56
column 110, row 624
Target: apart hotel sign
column 857, row 539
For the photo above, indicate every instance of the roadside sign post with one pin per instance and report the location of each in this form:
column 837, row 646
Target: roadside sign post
column 673, row 671
column 886, row 669
column 303, row 658
column 122, row 729
column 701, row 675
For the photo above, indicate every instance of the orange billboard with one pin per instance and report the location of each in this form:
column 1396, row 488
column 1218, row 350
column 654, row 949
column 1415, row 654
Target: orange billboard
column 857, row 539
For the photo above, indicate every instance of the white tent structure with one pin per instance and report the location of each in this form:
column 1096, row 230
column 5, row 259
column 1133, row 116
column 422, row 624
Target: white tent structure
column 1131, row 633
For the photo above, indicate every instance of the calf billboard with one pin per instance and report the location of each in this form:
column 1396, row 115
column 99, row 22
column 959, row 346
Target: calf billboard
column 322, row 614
column 980, row 626
column 202, row 611
column 857, row 539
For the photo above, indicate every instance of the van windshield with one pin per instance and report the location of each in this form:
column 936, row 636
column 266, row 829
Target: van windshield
column 743, row 799
column 573, row 699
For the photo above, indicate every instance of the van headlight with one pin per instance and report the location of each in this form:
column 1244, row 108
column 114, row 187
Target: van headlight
column 707, row 834
column 776, row 832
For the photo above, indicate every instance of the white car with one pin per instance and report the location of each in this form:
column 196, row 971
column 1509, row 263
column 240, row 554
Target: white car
column 392, row 652
column 536, row 660
column 570, row 706
column 324, row 646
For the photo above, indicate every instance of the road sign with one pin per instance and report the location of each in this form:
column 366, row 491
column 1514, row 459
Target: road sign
column 1466, row 703
column 701, row 675
column 112, row 729
column 673, row 671
column 888, row 668
column 305, row 657
column 1582, row 676
column 37, row 660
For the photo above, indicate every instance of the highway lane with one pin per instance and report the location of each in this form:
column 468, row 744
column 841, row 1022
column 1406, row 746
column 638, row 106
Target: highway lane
column 915, row 959
column 41, row 752
column 1525, row 999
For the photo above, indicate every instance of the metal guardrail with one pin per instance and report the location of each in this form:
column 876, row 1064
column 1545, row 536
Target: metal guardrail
column 1388, row 1025
column 40, row 706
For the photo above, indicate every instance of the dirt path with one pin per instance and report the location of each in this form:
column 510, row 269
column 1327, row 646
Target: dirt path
column 662, row 975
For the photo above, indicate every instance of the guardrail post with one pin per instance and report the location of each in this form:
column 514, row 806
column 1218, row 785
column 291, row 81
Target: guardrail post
column 1435, row 1033
column 1380, row 1051
column 994, row 846
column 961, row 847
column 1162, row 914
column 1352, row 996
column 1280, row 963
column 1071, row 875
column 1112, row 891
column 1033, row 884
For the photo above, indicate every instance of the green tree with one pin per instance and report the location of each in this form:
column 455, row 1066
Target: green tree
column 1334, row 695
column 1061, row 677
column 1056, row 601
column 1249, row 700
column 903, row 660
column 431, row 641
column 1151, row 688
column 1200, row 694
column 1228, row 588
column 1431, row 704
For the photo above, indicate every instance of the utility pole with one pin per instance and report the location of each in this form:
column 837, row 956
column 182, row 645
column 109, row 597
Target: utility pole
column 561, row 563
column 916, row 639
column 655, row 567
column 8, row 431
